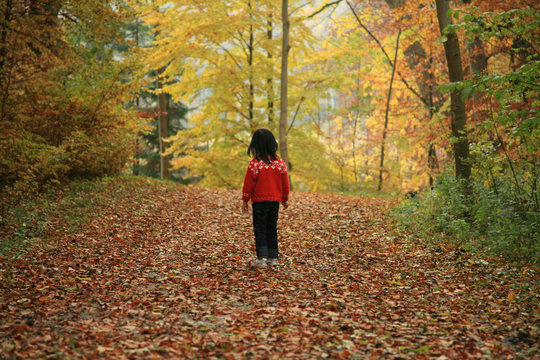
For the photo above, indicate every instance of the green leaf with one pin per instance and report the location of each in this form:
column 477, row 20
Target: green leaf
column 442, row 39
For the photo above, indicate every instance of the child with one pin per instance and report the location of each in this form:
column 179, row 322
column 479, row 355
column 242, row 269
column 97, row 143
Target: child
column 266, row 184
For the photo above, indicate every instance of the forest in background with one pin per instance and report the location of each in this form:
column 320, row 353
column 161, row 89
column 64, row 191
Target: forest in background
column 373, row 101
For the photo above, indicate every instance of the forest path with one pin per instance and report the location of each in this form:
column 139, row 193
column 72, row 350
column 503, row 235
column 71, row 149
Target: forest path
column 166, row 274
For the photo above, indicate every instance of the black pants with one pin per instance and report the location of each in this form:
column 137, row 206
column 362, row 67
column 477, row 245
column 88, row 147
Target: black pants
column 265, row 217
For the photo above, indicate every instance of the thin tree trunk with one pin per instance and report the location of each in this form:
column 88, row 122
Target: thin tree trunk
column 455, row 71
column 386, row 113
column 163, row 132
column 250, row 64
column 355, row 124
column 433, row 164
column 284, row 75
column 270, row 86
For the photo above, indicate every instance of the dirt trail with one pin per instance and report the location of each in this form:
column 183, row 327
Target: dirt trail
column 168, row 277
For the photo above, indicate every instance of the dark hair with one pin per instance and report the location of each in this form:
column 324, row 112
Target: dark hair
column 263, row 146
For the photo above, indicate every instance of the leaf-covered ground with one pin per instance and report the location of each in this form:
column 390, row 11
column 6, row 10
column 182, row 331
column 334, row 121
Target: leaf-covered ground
column 164, row 273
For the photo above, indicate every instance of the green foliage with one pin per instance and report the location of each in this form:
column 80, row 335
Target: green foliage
column 490, row 221
column 512, row 97
column 502, row 216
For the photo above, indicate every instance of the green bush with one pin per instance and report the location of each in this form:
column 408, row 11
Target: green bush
column 490, row 221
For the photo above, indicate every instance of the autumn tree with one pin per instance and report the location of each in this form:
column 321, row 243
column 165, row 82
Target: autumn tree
column 62, row 92
column 226, row 65
column 284, row 83
column 455, row 71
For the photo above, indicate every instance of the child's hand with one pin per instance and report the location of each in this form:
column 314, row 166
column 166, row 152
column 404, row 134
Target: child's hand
column 285, row 205
column 245, row 208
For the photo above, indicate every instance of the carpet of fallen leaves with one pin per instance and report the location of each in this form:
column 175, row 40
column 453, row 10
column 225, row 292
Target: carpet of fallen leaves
column 167, row 275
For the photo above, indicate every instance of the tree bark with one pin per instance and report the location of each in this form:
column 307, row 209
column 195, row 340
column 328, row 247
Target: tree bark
column 355, row 125
column 163, row 132
column 433, row 165
column 284, row 77
column 270, row 86
column 250, row 64
column 455, row 71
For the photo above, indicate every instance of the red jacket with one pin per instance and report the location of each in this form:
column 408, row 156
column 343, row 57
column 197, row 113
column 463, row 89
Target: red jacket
column 266, row 182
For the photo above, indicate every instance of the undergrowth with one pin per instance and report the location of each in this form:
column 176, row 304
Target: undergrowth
column 489, row 221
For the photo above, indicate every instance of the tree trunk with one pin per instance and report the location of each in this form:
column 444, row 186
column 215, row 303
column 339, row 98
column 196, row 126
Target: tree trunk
column 386, row 114
column 163, row 132
column 250, row 64
column 284, row 69
column 270, row 89
column 355, row 125
column 455, row 71
column 433, row 165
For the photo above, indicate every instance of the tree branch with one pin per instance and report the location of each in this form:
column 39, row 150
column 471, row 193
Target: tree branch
column 336, row 2
column 296, row 113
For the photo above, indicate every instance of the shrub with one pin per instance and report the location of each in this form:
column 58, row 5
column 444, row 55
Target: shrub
column 490, row 221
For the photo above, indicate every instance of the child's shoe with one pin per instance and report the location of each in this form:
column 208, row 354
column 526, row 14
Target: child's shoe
column 272, row 262
column 260, row 263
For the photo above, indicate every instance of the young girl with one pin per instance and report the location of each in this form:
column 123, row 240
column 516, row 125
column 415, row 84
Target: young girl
column 266, row 184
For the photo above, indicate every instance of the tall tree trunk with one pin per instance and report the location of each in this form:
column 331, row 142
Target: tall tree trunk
column 433, row 164
column 163, row 132
column 284, row 77
column 355, row 125
column 250, row 64
column 455, row 71
column 386, row 114
column 270, row 86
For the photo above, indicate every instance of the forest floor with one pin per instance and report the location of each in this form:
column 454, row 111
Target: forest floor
column 162, row 271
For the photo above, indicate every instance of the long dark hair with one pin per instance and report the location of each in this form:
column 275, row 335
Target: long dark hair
column 263, row 146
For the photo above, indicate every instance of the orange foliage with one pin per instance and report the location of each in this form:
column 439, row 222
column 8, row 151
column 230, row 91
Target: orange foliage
column 61, row 93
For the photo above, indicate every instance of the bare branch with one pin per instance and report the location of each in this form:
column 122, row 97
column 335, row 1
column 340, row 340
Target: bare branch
column 336, row 2
column 296, row 113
